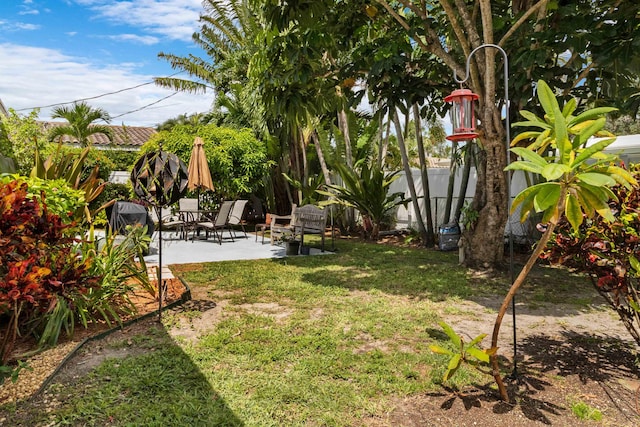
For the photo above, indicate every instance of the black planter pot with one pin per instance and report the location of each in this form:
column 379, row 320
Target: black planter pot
column 292, row 248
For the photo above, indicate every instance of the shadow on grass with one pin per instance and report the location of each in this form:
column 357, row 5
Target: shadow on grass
column 604, row 363
column 589, row 357
column 601, row 364
column 138, row 376
column 437, row 276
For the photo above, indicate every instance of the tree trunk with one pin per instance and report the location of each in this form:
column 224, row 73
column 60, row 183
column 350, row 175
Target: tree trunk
column 451, row 183
column 321, row 159
column 343, row 123
column 407, row 171
column 464, row 182
column 429, row 237
column 484, row 243
column 385, row 141
column 382, row 149
column 507, row 299
column 304, row 179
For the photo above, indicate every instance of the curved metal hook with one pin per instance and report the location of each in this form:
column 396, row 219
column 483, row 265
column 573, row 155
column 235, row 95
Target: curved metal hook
column 495, row 46
column 506, row 85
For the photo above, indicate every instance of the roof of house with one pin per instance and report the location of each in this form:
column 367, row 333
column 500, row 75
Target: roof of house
column 123, row 136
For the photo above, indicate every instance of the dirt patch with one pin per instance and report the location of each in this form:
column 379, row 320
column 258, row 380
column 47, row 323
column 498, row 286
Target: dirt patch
column 273, row 310
column 194, row 318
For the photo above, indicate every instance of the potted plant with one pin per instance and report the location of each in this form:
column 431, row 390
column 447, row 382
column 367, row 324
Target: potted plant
column 291, row 244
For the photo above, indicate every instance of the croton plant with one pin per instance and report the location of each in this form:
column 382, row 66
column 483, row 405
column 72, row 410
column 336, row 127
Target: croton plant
column 608, row 251
column 42, row 279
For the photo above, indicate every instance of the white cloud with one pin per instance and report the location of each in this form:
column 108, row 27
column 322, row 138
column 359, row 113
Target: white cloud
column 29, row 12
column 30, row 81
column 17, row 26
column 146, row 40
column 25, row 26
column 174, row 19
column 27, row 9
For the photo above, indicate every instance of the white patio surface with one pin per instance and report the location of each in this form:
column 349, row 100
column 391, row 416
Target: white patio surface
column 179, row 251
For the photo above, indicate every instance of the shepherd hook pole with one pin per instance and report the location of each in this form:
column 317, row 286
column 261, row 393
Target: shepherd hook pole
column 514, row 374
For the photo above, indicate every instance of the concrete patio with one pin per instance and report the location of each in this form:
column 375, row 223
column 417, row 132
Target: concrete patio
column 179, row 251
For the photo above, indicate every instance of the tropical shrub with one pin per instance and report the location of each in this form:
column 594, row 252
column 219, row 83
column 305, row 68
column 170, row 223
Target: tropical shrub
column 62, row 200
column 575, row 182
column 20, row 136
column 366, row 188
column 608, row 252
column 94, row 158
column 308, row 191
column 50, row 280
column 121, row 267
column 70, row 168
column 237, row 160
column 42, row 280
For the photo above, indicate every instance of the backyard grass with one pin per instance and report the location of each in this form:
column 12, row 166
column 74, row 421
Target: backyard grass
column 324, row 340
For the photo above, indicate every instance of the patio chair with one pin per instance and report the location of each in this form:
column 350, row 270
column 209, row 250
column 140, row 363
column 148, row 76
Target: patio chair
column 189, row 215
column 236, row 218
column 282, row 225
column 310, row 219
column 220, row 223
column 263, row 227
column 170, row 222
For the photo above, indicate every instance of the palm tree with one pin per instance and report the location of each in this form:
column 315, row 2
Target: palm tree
column 80, row 117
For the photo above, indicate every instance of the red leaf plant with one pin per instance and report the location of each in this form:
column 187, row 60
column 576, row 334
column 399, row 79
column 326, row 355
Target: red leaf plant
column 39, row 266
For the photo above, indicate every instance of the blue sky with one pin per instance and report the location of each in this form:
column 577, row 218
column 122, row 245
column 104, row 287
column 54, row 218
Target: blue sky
column 58, row 51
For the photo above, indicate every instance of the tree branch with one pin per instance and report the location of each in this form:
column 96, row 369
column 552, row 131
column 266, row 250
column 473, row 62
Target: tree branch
column 582, row 75
column 457, row 29
column 422, row 14
column 490, row 56
column 521, row 21
column 434, row 46
column 402, row 23
column 469, row 22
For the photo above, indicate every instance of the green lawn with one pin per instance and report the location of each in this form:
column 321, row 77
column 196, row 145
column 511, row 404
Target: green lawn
column 324, row 340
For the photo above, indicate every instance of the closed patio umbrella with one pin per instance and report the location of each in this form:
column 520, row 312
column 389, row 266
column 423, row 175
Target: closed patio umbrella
column 198, row 172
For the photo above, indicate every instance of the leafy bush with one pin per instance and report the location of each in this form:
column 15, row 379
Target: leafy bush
column 237, row 160
column 42, row 280
column 20, row 136
column 50, row 280
column 608, row 253
column 62, row 199
column 112, row 191
column 122, row 160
